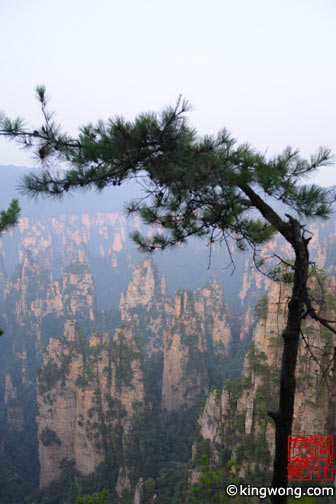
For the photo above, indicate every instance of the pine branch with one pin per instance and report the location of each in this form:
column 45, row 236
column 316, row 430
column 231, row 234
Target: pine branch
column 315, row 316
column 9, row 217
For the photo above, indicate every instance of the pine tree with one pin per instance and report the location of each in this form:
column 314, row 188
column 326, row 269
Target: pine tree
column 206, row 187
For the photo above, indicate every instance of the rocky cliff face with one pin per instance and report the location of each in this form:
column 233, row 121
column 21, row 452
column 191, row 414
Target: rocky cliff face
column 78, row 292
column 87, row 398
column 147, row 305
column 34, row 308
column 184, row 371
column 199, row 329
column 31, row 295
column 102, row 238
column 235, row 419
column 98, row 239
column 24, row 289
column 15, row 414
column 187, row 331
column 57, row 241
column 146, row 287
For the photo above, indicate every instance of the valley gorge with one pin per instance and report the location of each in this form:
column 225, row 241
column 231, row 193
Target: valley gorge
column 117, row 366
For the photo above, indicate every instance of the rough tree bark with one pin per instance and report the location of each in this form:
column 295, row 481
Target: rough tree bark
column 291, row 335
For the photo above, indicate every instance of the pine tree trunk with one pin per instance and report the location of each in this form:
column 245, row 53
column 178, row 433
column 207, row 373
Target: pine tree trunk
column 293, row 232
column 291, row 335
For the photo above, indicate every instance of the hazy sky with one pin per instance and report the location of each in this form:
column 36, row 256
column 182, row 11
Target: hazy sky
column 264, row 69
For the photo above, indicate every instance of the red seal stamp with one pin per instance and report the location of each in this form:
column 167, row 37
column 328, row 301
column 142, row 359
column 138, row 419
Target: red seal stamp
column 310, row 457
